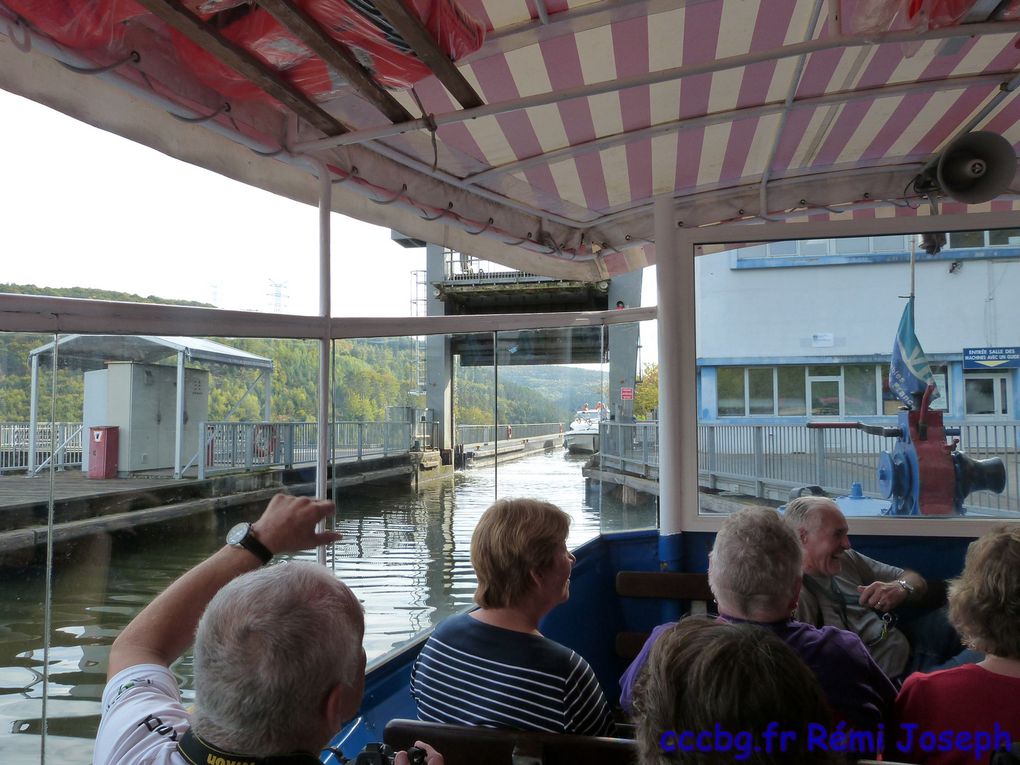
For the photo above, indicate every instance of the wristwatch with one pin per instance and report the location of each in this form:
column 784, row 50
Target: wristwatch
column 242, row 535
column 907, row 586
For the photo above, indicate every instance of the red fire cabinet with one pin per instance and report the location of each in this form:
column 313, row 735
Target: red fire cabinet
column 103, row 443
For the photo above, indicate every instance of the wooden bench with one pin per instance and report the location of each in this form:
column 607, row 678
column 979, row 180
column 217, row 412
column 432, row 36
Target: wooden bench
column 691, row 589
column 464, row 745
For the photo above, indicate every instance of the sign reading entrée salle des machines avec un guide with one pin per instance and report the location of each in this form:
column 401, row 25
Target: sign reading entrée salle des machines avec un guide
column 991, row 358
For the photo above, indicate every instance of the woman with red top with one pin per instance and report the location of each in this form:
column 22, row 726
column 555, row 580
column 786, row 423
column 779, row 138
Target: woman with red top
column 955, row 715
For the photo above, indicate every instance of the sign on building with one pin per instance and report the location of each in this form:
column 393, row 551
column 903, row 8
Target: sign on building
column 991, row 358
column 626, row 394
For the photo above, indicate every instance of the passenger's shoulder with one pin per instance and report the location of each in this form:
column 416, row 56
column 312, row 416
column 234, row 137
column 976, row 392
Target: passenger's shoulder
column 833, row 640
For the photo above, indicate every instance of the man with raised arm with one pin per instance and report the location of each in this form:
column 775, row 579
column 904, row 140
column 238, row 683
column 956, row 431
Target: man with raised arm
column 278, row 661
column 854, row 592
column 754, row 571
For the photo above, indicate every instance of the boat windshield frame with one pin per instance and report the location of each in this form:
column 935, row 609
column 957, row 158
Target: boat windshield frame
column 678, row 497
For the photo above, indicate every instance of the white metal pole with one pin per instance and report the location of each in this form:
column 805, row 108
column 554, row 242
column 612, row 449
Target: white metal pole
column 325, row 393
column 179, row 420
column 678, row 454
column 33, row 418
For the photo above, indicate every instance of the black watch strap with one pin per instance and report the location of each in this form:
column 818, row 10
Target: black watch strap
column 251, row 543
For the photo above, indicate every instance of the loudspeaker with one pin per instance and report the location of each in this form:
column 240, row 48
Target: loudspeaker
column 976, row 167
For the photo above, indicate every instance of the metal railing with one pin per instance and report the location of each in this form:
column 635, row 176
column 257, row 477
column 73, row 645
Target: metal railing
column 630, row 447
column 769, row 460
column 229, row 446
column 484, row 434
column 66, row 437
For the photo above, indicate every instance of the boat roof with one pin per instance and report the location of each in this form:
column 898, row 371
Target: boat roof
column 149, row 349
column 544, row 148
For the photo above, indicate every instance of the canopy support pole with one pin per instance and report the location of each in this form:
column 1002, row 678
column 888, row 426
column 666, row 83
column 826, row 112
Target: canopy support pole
column 179, row 419
column 33, row 417
column 678, row 430
column 325, row 343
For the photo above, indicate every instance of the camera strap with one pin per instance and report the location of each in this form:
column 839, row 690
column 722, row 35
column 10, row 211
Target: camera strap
column 198, row 752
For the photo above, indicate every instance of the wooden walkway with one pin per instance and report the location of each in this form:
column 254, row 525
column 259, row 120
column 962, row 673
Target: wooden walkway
column 71, row 484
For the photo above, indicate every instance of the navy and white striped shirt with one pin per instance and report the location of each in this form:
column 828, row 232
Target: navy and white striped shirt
column 471, row 673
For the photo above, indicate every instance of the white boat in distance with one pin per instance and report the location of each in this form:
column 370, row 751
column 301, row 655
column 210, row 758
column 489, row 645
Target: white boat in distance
column 582, row 437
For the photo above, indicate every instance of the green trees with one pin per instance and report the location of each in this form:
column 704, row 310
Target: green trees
column 646, row 393
column 369, row 376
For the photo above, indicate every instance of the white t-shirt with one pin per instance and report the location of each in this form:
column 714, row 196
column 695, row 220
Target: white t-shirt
column 143, row 717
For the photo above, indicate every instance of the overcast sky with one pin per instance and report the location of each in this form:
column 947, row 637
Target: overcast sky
column 85, row 208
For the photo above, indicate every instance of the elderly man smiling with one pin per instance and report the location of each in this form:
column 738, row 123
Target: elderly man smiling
column 851, row 591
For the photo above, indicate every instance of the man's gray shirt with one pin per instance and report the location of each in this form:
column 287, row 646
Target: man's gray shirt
column 819, row 605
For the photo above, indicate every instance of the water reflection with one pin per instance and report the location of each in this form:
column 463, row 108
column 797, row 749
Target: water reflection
column 405, row 554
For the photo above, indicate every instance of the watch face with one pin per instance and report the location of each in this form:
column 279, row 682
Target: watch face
column 236, row 534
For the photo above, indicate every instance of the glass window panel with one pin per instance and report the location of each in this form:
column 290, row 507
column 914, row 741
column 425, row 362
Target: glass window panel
column 859, row 390
column 814, row 247
column 760, row 390
column 853, row 245
column 889, row 244
column 1005, row 237
column 792, row 400
column 960, row 239
column 825, row 398
column 826, row 370
column 942, row 383
column 980, row 395
column 777, row 249
column 756, row 251
column 730, row 391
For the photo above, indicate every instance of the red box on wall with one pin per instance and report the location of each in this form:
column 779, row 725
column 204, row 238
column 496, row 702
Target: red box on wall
column 103, row 443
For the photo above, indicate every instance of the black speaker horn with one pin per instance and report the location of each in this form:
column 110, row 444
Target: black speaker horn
column 976, row 167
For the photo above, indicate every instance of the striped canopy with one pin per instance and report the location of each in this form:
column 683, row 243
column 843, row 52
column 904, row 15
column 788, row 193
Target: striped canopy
column 545, row 147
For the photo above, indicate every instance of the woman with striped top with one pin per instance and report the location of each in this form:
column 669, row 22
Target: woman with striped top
column 492, row 667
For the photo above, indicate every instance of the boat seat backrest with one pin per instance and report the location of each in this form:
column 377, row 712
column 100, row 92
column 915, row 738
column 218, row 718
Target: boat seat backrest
column 691, row 589
column 465, row 745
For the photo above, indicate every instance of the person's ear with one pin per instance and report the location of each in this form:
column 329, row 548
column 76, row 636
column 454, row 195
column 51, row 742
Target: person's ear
column 536, row 577
column 337, row 709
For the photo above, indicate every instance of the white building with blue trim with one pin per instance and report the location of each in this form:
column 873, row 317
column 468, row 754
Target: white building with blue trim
column 793, row 331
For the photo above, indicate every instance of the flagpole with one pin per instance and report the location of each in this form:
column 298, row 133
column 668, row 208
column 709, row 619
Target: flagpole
column 913, row 251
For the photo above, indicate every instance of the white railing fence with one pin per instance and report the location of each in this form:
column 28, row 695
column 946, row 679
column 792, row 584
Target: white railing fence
column 769, row 460
column 58, row 441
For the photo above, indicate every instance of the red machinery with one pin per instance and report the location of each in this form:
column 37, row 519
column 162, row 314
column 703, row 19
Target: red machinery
column 925, row 474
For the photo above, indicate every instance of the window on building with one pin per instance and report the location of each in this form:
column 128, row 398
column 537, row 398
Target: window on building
column 782, row 249
column 960, row 239
column 730, row 391
column 860, row 390
column 826, row 370
column 889, row 244
column 853, row 245
column 792, row 400
column 824, row 398
column 761, row 399
column 1004, row 237
column 986, row 394
column 814, row 247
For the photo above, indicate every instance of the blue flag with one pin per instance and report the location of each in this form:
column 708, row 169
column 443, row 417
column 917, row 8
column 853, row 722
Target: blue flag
column 909, row 372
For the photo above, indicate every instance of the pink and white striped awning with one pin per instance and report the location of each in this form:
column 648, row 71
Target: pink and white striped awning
column 587, row 110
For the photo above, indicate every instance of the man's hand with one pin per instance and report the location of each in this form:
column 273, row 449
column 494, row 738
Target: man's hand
column 288, row 524
column 432, row 757
column 882, row 596
column 166, row 627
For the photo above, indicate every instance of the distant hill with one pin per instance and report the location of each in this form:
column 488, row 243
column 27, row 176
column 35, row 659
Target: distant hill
column 370, row 375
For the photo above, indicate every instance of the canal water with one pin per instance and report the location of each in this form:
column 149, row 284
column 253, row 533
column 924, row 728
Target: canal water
column 406, row 555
